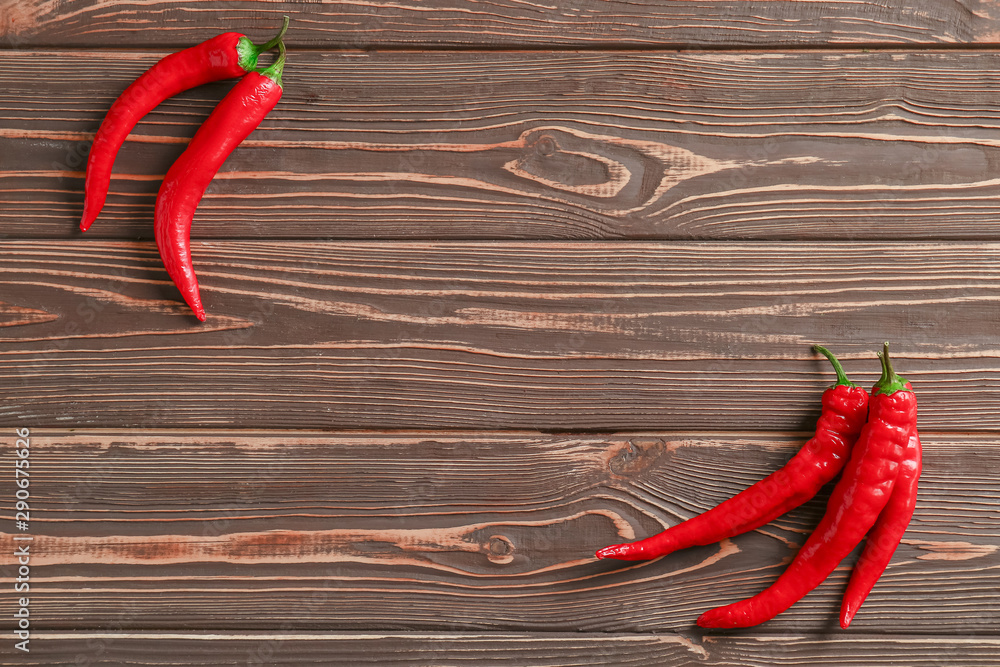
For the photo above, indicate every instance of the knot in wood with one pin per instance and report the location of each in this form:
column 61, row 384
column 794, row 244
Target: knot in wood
column 500, row 550
column 635, row 456
column 546, row 145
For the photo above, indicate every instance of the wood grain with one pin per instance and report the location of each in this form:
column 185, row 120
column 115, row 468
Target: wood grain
column 850, row 145
column 496, row 284
column 351, row 649
column 463, row 531
column 491, row 335
column 530, row 649
column 503, row 23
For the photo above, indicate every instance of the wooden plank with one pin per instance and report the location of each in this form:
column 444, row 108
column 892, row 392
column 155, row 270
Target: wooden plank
column 491, row 335
column 536, row 650
column 384, row 648
column 427, row 531
column 793, row 145
column 504, row 23
column 919, row 651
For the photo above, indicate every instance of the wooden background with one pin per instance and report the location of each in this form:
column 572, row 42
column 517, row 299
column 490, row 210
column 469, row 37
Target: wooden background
column 495, row 285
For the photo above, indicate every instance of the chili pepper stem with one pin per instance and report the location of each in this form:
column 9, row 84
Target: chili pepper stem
column 889, row 383
column 275, row 69
column 249, row 52
column 841, row 375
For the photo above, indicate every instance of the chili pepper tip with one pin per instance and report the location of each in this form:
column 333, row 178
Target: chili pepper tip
column 610, row 552
column 847, row 615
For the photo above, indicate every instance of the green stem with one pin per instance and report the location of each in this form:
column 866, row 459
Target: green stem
column 248, row 52
column 841, row 375
column 273, row 42
column 277, row 67
column 889, row 383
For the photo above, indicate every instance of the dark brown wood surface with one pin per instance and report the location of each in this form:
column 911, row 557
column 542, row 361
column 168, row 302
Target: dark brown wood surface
column 495, row 285
column 505, row 23
column 463, row 531
column 589, row 336
column 539, row 650
column 536, row 145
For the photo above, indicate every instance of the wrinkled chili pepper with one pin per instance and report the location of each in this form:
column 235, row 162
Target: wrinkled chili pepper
column 222, row 57
column 884, row 537
column 235, row 117
column 845, row 409
column 857, row 500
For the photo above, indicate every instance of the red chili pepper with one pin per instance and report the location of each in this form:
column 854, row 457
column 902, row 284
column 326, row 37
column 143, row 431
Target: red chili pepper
column 884, row 537
column 235, row 117
column 845, row 408
column 223, row 57
column 857, row 500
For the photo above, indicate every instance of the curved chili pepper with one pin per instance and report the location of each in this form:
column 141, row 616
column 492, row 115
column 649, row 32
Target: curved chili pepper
column 235, row 117
column 222, row 57
column 882, row 541
column 857, row 500
column 845, row 408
